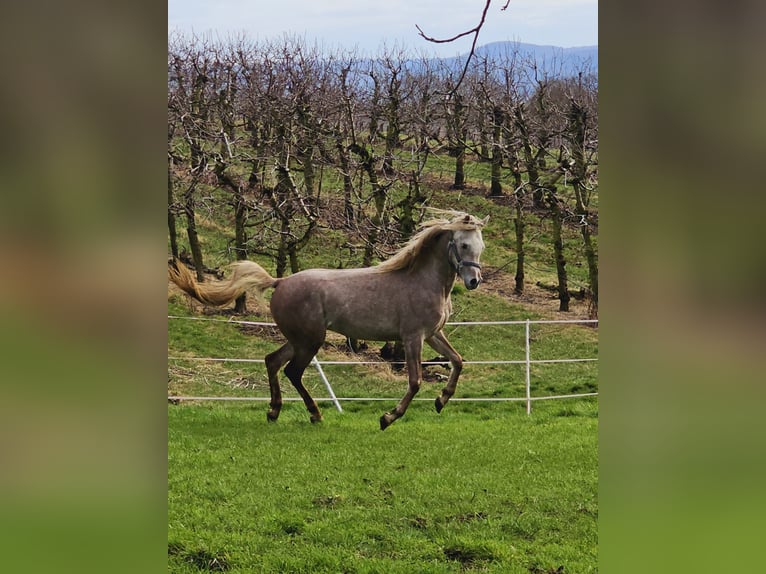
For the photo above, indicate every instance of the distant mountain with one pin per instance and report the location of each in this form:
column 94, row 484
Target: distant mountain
column 551, row 59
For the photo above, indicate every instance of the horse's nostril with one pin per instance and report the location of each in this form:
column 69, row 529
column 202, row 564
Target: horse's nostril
column 474, row 282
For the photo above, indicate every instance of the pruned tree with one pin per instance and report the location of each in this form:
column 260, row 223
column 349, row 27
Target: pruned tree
column 189, row 94
column 344, row 135
column 582, row 138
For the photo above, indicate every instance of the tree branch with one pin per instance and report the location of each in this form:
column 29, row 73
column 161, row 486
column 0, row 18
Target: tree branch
column 475, row 31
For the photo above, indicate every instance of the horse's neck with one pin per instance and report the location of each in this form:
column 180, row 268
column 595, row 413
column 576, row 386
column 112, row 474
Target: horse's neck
column 437, row 272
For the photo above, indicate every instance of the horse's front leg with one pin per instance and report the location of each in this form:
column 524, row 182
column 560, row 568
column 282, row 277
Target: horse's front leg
column 412, row 350
column 441, row 345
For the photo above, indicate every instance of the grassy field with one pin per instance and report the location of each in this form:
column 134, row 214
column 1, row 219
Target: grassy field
column 479, row 487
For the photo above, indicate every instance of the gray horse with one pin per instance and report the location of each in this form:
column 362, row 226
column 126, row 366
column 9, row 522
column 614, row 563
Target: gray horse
column 406, row 298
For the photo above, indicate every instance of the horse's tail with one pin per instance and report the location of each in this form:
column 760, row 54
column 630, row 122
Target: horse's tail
column 246, row 274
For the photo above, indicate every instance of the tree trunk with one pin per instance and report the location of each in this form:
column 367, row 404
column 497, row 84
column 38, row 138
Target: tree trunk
column 281, row 259
column 519, row 224
column 379, row 198
column 577, row 128
column 592, row 259
column 460, row 136
column 460, row 168
column 393, row 130
column 235, row 186
column 306, row 151
column 348, row 185
column 558, row 250
column 374, row 109
column 191, row 232
column 496, row 187
column 530, row 160
column 280, row 200
column 292, row 252
column 483, row 139
column 171, row 215
column 240, row 243
column 407, row 207
column 198, row 167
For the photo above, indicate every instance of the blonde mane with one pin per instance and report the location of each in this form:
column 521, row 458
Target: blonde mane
column 406, row 257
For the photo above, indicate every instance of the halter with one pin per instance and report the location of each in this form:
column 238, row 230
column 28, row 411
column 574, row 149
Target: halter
column 458, row 263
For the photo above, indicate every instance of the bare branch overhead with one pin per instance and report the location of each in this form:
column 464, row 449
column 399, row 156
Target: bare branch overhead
column 475, row 31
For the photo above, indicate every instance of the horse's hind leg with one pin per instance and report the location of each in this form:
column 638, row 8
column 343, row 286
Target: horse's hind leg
column 294, row 371
column 441, row 345
column 274, row 362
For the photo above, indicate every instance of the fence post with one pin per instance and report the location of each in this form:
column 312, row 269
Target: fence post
column 326, row 384
column 529, row 394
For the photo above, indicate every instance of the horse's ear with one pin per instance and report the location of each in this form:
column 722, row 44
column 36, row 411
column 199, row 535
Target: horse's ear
column 484, row 221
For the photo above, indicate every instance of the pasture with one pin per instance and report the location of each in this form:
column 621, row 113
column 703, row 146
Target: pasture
column 479, row 487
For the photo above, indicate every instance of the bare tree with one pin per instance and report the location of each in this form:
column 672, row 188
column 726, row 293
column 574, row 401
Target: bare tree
column 293, row 207
column 344, row 134
column 172, row 229
column 582, row 137
column 188, row 79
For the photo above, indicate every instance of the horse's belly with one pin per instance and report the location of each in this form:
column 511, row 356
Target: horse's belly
column 370, row 330
column 386, row 325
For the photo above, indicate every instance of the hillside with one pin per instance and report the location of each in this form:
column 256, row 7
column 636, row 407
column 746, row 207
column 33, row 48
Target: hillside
column 552, row 60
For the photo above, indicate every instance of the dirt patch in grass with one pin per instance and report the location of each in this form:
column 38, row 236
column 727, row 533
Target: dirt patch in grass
column 537, row 299
column 469, row 555
column 200, row 558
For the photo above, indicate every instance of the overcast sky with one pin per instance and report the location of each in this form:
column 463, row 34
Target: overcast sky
column 368, row 24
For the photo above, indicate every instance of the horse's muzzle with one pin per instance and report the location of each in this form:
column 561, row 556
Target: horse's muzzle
column 471, row 278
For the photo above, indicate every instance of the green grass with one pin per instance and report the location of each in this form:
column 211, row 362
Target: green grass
column 479, row 488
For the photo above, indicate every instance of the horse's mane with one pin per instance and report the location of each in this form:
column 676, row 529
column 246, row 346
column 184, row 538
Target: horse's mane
column 405, row 258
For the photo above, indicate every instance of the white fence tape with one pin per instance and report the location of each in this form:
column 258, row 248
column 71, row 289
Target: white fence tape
column 528, row 362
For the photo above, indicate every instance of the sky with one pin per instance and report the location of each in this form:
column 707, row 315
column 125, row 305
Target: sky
column 368, row 25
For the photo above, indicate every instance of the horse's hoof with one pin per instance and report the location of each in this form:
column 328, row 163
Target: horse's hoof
column 271, row 417
column 438, row 404
column 384, row 422
column 316, row 419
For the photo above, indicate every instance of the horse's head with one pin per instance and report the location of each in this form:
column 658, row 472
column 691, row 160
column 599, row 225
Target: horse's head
column 465, row 249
